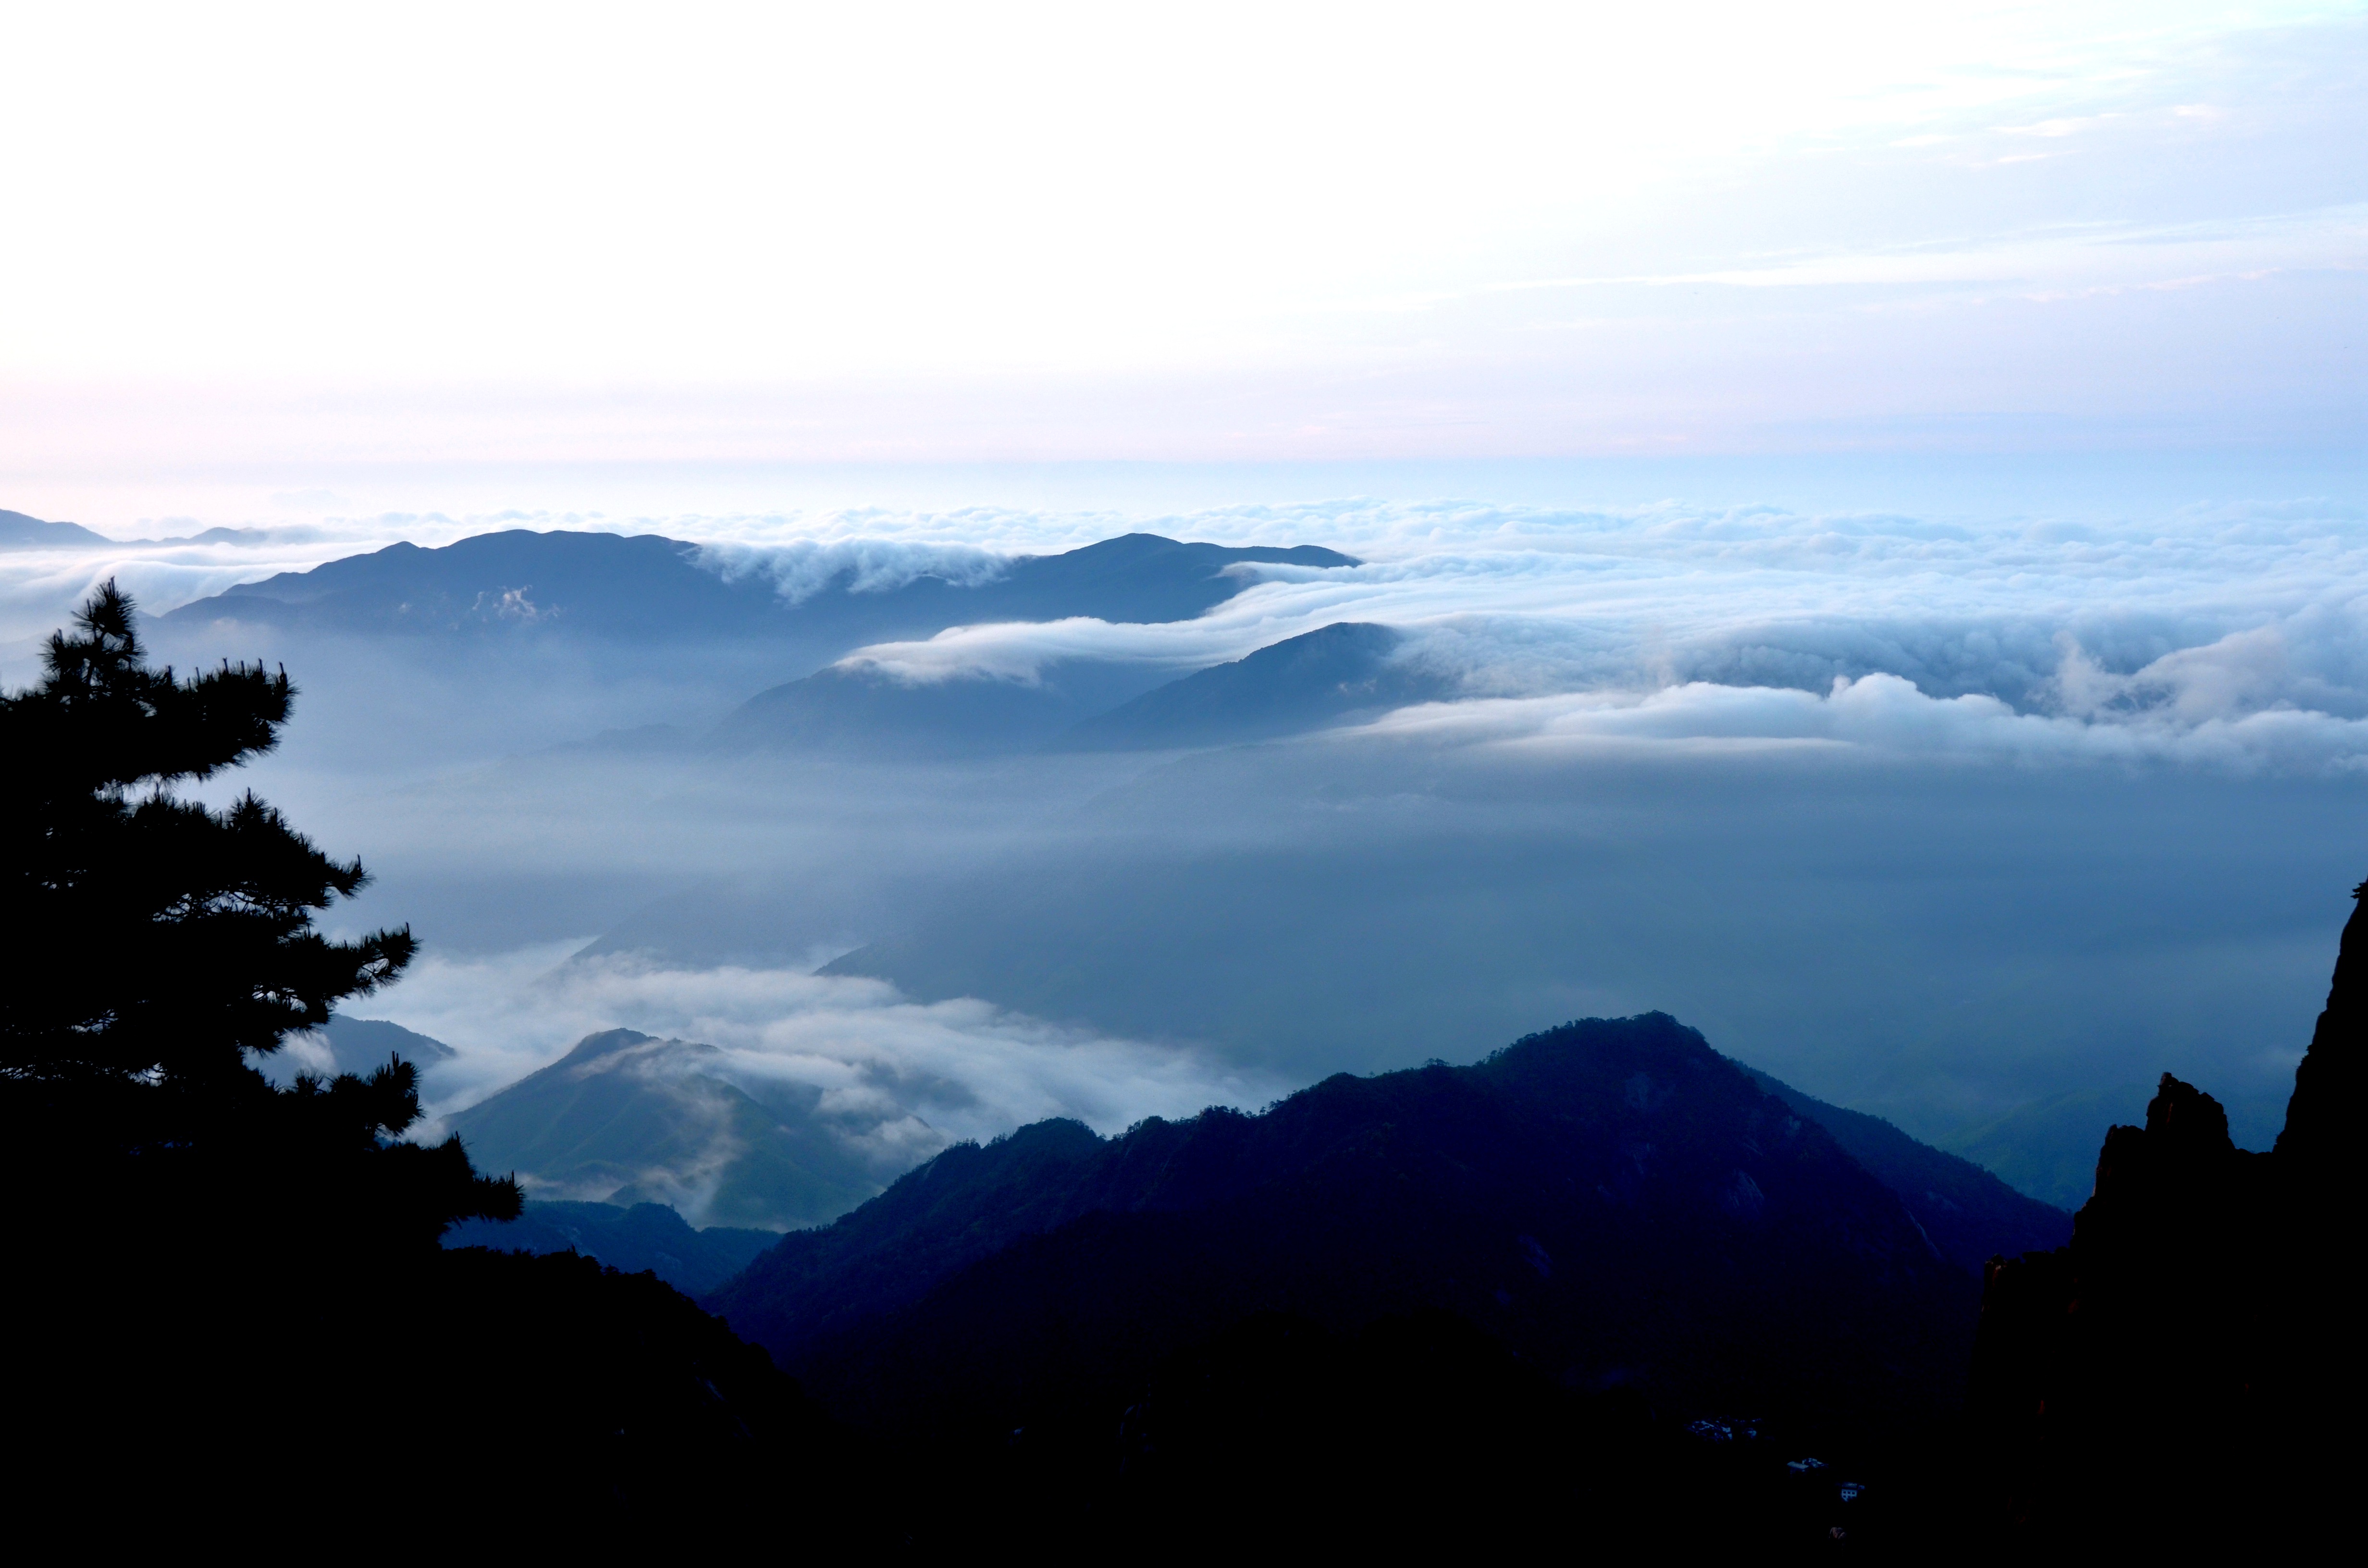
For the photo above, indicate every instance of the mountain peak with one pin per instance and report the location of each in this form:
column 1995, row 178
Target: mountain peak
column 1546, row 1194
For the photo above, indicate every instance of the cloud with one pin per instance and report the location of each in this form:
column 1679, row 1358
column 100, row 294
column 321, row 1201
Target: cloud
column 1884, row 714
column 897, row 1077
column 2158, row 625
column 800, row 569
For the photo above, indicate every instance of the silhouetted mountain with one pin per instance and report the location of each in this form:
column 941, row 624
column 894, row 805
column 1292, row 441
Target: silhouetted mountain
column 607, row 1404
column 626, row 1118
column 861, row 708
column 2182, row 1373
column 18, row 531
column 1321, row 678
column 1421, row 1438
column 1970, row 1214
column 644, row 1237
column 1615, row 1202
column 647, row 588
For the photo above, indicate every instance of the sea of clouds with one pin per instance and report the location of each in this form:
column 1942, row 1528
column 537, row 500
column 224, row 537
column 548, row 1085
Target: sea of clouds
column 2227, row 637
column 894, row 1080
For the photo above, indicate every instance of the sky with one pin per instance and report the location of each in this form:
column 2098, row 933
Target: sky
column 259, row 248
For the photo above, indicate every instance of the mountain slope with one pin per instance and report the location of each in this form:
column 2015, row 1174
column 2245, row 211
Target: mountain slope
column 861, row 708
column 624, row 1118
column 1301, row 683
column 1613, row 1200
column 1970, row 1214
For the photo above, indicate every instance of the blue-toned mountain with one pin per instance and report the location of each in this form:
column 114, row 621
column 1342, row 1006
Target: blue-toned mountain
column 625, row 1118
column 1319, row 678
column 649, row 588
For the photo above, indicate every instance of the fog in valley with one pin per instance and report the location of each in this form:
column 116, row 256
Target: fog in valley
column 1976, row 821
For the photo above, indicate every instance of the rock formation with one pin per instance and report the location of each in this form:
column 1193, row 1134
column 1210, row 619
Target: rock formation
column 2179, row 1372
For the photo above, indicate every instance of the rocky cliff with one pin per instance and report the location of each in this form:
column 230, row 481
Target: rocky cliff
column 2181, row 1369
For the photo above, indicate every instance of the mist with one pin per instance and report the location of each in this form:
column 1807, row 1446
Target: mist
column 1959, row 816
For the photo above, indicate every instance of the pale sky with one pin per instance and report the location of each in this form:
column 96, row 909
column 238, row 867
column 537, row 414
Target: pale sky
column 421, row 235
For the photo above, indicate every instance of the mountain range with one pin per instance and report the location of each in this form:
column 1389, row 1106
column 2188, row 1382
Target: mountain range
column 623, row 602
column 647, row 588
column 18, row 531
column 1330, row 676
column 1612, row 1202
column 627, row 1120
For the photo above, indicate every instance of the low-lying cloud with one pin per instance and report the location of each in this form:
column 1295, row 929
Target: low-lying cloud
column 893, row 1080
column 1885, row 714
column 802, row 568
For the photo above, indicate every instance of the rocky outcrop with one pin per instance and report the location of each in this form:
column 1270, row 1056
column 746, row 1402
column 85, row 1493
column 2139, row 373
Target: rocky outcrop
column 2179, row 1371
column 2327, row 1085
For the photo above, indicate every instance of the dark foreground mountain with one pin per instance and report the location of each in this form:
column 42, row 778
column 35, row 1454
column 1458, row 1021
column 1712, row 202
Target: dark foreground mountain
column 1321, row 677
column 1610, row 1206
column 2185, row 1372
column 1971, row 1215
column 628, row 1118
column 642, row 1238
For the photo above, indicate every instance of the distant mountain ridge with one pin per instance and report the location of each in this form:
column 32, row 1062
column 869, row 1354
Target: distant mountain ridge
column 647, row 587
column 1318, row 678
column 18, row 531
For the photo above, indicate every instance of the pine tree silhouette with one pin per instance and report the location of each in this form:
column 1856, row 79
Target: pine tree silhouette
column 160, row 945
column 228, row 1313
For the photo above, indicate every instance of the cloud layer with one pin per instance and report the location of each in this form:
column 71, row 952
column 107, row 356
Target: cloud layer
column 898, row 1079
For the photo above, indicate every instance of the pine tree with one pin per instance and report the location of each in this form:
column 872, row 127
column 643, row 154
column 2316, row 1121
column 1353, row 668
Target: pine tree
column 161, row 945
column 228, row 1316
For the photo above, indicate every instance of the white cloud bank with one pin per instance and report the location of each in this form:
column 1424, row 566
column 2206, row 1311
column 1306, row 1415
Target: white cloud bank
column 2148, row 618
column 902, row 1078
column 2217, row 632
column 1882, row 713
